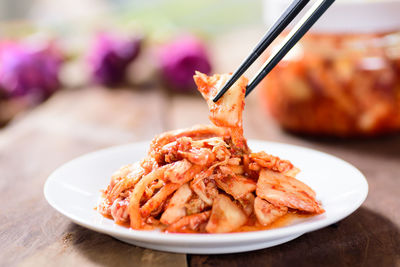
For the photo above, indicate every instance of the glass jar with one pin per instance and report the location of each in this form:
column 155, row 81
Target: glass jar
column 340, row 80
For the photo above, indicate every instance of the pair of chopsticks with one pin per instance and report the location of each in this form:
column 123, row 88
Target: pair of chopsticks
column 305, row 23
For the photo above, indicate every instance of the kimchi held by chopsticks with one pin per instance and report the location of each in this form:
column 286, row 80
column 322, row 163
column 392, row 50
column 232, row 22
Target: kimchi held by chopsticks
column 206, row 179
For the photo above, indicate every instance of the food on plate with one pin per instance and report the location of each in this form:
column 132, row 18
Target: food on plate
column 205, row 179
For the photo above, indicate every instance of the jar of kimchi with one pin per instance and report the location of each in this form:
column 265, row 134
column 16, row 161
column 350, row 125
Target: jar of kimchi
column 343, row 77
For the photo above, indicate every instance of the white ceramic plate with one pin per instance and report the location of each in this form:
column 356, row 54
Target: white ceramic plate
column 74, row 190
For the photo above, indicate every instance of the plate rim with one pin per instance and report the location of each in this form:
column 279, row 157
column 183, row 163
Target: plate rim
column 221, row 238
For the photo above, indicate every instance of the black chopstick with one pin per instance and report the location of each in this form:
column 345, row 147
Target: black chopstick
column 294, row 36
column 290, row 13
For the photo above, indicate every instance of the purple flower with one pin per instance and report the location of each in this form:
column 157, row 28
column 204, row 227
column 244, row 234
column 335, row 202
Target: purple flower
column 110, row 57
column 25, row 70
column 180, row 59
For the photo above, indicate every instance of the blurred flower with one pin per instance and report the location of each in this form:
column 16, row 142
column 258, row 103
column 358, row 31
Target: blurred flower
column 26, row 70
column 110, row 56
column 180, row 59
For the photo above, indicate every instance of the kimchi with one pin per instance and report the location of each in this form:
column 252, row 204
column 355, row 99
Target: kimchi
column 205, row 179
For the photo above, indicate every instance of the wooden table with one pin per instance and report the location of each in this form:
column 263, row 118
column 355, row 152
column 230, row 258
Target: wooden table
column 75, row 122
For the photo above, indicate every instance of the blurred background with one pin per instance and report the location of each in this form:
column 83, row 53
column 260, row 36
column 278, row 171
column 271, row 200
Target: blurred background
column 342, row 79
column 47, row 46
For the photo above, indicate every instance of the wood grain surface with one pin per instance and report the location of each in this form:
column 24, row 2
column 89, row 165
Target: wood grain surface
column 76, row 122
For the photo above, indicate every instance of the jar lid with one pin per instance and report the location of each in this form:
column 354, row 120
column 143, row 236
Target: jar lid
column 346, row 16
